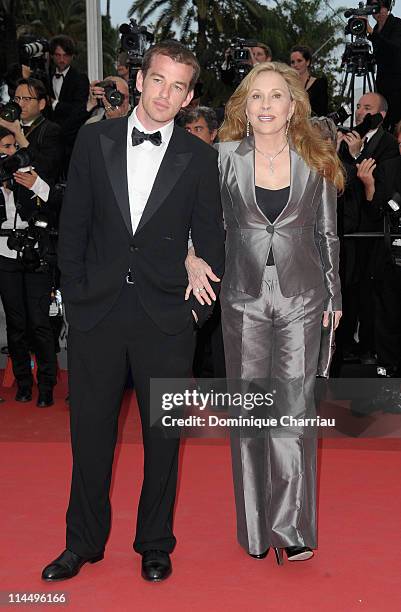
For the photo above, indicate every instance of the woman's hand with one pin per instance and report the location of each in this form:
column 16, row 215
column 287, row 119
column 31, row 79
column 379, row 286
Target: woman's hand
column 199, row 273
column 337, row 316
column 26, row 179
column 16, row 129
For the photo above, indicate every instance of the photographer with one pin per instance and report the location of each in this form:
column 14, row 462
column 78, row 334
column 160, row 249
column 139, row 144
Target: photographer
column 386, row 40
column 381, row 186
column 39, row 135
column 25, row 292
column 103, row 103
column 358, row 256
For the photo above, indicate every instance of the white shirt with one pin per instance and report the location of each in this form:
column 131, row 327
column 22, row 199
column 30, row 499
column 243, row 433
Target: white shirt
column 143, row 163
column 41, row 189
column 57, row 85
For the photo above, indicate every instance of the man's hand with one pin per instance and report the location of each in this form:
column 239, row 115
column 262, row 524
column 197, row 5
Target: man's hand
column 354, row 142
column 337, row 316
column 365, row 174
column 26, row 179
column 199, row 273
column 95, row 94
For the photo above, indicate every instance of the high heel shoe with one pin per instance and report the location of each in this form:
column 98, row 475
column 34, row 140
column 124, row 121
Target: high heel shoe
column 279, row 555
column 299, row 553
column 262, row 555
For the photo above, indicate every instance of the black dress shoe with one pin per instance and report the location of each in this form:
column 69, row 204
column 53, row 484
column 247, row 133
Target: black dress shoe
column 45, row 398
column 298, row 553
column 262, row 555
column 156, row 565
column 67, row 565
column 24, row 394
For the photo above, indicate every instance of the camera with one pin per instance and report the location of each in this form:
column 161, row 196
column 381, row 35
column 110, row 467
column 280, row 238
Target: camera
column 370, row 122
column 35, row 244
column 134, row 41
column 11, row 111
column 357, row 23
column 240, row 59
column 341, row 114
column 36, row 48
column 11, row 163
column 32, row 53
column 114, row 97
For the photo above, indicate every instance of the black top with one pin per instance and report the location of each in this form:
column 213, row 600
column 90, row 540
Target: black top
column 318, row 96
column 271, row 202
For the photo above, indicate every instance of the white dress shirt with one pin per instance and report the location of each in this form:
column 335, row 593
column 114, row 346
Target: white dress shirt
column 143, row 163
column 57, row 85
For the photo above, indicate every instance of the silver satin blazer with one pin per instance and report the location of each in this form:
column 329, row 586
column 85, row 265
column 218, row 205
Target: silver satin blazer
column 303, row 237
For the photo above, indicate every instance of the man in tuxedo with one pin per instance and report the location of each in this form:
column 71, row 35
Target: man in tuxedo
column 69, row 90
column 358, row 255
column 135, row 190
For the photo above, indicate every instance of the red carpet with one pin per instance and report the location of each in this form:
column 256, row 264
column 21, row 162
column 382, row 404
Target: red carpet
column 357, row 566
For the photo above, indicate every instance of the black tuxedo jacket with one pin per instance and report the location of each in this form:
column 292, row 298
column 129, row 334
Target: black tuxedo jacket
column 381, row 147
column 73, row 95
column 46, row 149
column 97, row 246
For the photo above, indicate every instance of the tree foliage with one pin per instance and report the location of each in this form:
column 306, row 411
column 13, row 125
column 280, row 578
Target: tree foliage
column 208, row 27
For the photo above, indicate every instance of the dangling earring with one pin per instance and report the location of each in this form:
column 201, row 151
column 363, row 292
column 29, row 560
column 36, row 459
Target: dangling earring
column 288, row 127
column 248, row 129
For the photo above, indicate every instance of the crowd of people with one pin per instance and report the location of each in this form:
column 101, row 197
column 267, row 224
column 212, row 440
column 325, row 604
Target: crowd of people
column 141, row 254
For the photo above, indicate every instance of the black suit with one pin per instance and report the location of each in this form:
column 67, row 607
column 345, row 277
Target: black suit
column 73, row 95
column 46, row 148
column 387, row 276
column 72, row 101
column 357, row 256
column 146, row 325
column 387, row 50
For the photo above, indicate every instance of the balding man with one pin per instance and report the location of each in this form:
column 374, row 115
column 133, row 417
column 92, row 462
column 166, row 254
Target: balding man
column 100, row 108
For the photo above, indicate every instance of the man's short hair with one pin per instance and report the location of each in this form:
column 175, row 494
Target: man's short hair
column 266, row 49
column 175, row 51
column 35, row 87
column 189, row 115
column 65, row 42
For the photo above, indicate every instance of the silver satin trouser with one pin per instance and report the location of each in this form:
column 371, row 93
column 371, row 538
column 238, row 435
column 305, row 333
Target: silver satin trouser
column 272, row 337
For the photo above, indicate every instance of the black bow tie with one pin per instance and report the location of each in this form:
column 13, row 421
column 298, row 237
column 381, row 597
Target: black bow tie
column 139, row 137
column 58, row 75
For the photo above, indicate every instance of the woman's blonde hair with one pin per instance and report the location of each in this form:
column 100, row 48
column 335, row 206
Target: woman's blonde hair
column 309, row 144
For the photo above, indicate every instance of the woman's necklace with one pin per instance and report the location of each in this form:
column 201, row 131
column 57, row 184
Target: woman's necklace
column 271, row 158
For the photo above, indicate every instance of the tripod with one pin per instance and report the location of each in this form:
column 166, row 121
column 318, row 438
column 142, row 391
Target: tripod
column 358, row 61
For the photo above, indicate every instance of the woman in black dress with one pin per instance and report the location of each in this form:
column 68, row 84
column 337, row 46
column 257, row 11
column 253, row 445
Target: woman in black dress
column 315, row 87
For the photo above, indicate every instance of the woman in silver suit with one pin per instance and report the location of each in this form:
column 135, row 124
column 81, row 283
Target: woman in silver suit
column 279, row 182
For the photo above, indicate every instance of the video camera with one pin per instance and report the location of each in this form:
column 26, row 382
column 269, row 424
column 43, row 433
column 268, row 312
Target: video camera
column 370, row 122
column 11, row 163
column 134, row 41
column 240, row 59
column 357, row 18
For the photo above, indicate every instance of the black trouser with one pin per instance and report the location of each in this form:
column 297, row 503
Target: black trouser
column 98, row 361
column 209, row 360
column 388, row 316
column 26, row 300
